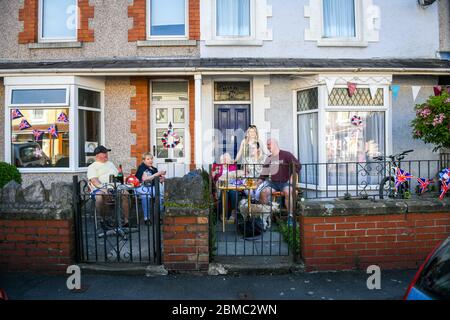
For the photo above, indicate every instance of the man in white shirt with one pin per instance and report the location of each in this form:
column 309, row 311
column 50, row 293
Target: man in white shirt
column 98, row 176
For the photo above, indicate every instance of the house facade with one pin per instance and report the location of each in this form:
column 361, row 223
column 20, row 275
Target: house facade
column 183, row 79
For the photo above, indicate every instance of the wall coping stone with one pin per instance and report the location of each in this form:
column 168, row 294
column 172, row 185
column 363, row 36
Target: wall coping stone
column 369, row 207
column 185, row 211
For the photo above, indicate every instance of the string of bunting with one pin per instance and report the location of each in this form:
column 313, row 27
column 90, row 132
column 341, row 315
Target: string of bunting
column 401, row 176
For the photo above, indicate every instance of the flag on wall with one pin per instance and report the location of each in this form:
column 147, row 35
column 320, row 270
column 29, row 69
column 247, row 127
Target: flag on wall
column 351, row 88
column 24, row 125
column 395, row 90
column 38, row 134
column 63, row 118
column 401, row 176
column 415, row 91
column 423, row 184
column 445, row 185
column 373, row 90
column 16, row 114
column 53, row 130
column 330, row 84
column 437, row 90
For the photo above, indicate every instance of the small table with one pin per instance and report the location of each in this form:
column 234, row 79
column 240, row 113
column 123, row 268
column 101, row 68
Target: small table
column 226, row 188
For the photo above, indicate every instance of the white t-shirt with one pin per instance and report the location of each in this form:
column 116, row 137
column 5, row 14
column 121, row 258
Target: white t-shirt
column 101, row 171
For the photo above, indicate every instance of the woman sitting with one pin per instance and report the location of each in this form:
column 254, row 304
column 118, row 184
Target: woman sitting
column 146, row 173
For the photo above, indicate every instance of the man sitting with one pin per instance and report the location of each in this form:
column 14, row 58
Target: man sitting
column 278, row 167
column 98, row 176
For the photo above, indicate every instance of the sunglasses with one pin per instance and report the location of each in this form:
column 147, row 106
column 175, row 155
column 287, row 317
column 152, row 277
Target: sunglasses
column 252, row 126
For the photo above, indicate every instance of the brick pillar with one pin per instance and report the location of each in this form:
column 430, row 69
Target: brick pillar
column 29, row 16
column 141, row 126
column 86, row 12
column 186, row 239
column 137, row 11
column 194, row 19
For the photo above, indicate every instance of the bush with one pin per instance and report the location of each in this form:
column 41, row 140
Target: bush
column 432, row 122
column 8, row 173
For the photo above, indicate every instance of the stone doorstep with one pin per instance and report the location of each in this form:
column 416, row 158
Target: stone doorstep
column 133, row 269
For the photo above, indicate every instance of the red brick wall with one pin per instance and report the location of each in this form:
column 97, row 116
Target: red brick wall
column 86, row 12
column 389, row 241
column 29, row 16
column 137, row 11
column 186, row 244
column 36, row 245
column 141, row 126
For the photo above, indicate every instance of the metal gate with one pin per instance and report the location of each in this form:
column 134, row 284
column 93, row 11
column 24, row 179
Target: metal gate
column 120, row 224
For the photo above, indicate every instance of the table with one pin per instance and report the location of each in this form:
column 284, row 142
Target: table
column 226, row 188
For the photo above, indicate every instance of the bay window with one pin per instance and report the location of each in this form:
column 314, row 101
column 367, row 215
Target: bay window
column 58, row 20
column 338, row 135
column 167, row 18
column 52, row 128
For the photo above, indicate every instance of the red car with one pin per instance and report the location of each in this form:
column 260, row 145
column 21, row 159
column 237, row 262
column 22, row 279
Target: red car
column 3, row 295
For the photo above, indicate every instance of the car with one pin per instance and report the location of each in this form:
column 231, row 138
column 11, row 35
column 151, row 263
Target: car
column 29, row 154
column 432, row 280
column 3, row 295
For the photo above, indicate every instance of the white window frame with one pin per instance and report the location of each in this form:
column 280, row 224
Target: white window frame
column 72, row 105
column 357, row 40
column 323, row 108
column 252, row 35
column 65, row 103
column 174, row 37
column 43, row 39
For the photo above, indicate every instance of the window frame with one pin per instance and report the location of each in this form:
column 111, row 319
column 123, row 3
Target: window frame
column 252, row 34
column 323, row 108
column 72, row 105
column 166, row 37
column 42, row 39
column 32, row 87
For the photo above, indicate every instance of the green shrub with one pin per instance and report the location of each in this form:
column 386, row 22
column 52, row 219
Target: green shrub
column 293, row 240
column 8, row 173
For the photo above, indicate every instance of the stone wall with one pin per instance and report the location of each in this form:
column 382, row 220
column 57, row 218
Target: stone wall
column 344, row 235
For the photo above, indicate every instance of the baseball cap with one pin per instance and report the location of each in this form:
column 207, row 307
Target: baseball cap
column 101, row 149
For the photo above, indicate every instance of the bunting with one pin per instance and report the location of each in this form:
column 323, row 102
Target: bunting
column 24, row 125
column 16, row 114
column 351, row 88
column 63, row 118
column 415, row 91
column 53, row 130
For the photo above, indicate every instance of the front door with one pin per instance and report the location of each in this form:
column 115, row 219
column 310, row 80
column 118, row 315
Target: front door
column 170, row 123
column 230, row 121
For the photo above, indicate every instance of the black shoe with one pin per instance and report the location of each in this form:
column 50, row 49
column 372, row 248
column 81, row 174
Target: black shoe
column 125, row 225
column 148, row 222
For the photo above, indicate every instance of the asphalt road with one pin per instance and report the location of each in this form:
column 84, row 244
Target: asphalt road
column 351, row 285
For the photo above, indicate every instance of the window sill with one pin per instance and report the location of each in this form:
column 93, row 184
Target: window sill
column 55, row 45
column 167, row 43
column 341, row 43
column 234, row 42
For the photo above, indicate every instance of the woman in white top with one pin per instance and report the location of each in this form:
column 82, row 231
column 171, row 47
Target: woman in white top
column 253, row 165
column 251, row 136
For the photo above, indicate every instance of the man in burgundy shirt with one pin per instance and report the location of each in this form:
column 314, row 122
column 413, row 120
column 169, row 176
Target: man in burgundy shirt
column 278, row 166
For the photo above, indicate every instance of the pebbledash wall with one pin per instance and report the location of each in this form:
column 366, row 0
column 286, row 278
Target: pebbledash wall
column 344, row 235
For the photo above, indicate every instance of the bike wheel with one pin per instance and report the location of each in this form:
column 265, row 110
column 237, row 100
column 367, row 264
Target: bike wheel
column 387, row 188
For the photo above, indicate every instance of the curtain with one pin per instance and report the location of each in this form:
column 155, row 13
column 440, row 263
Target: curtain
column 308, row 148
column 59, row 19
column 233, row 18
column 339, row 18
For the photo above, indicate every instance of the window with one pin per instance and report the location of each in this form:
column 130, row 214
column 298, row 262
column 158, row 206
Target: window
column 48, row 130
column 167, row 18
column 58, row 20
column 339, row 19
column 233, row 18
column 170, row 91
column 232, row 91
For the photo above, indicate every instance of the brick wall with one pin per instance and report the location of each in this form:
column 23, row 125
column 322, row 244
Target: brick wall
column 185, row 242
column 36, row 245
column 141, row 126
column 29, row 16
column 389, row 241
column 137, row 11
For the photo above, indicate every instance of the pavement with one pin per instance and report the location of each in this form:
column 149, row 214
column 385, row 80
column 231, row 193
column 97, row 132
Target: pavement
column 345, row 285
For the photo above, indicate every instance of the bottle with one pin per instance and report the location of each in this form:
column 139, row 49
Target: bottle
column 120, row 175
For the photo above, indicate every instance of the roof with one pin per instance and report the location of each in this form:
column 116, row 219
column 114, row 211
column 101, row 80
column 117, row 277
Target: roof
column 205, row 64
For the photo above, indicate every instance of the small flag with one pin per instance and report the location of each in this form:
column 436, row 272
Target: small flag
column 37, row 134
column 53, row 130
column 63, row 118
column 351, row 88
column 24, row 125
column 16, row 114
column 445, row 185
column 437, row 90
column 423, row 184
column 415, row 91
column 401, row 176
column 330, row 84
column 395, row 90
column 373, row 89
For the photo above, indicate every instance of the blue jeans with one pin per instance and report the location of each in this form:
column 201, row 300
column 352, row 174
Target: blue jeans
column 146, row 193
column 233, row 198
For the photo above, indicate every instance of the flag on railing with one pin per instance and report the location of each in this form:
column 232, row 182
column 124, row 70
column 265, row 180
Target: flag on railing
column 445, row 185
column 423, row 184
column 401, row 176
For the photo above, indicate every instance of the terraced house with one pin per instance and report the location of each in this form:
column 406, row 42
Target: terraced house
column 119, row 73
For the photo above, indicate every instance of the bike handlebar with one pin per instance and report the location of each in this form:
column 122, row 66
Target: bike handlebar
column 399, row 156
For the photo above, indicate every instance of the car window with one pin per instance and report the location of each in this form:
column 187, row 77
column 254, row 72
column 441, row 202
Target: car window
column 435, row 278
column 31, row 153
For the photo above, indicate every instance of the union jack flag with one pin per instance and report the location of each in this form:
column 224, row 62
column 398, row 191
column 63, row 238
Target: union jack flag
column 24, row 125
column 53, row 130
column 63, row 118
column 401, row 176
column 37, row 134
column 423, row 184
column 16, row 114
column 445, row 186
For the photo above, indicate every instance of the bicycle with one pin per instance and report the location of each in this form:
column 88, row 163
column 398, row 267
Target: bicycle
column 394, row 185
